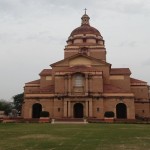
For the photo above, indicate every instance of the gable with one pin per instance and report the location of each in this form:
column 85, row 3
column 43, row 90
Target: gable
column 80, row 59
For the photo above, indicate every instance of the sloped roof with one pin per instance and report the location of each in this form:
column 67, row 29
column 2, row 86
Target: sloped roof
column 120, row 71
column 46, row 72
column 34, row 82
column 77, row 55
column 108, row 88
column 133, row 80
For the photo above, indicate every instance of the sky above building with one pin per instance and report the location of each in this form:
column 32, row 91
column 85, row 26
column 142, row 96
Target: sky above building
column 33, row 35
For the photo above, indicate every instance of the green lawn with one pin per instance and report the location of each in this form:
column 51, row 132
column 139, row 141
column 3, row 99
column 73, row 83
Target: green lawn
column 74, row 137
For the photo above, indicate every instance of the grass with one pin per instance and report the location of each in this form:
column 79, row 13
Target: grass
column 46, row 136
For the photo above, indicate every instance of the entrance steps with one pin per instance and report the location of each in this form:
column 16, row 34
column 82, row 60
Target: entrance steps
column 69, row 121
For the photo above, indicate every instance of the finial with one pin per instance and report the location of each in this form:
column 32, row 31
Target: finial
column 85, row 18
column 85, row 10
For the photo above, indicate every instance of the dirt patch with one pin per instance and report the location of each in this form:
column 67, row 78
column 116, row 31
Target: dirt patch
column 41, row 136
column 143, row 138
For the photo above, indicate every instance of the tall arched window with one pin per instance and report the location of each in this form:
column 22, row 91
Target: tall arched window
column 78, row 82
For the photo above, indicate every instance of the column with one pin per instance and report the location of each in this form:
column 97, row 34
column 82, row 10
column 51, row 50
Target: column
column 90, row 109
column 90, row 83
column 69, row 84
column 69, row 109
column 86, row 109
column 54, row 108
column 86, row 84
column 30, row 112
column 66, row 84
column 65, row 108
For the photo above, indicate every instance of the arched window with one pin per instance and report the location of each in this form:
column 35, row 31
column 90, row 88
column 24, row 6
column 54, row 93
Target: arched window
column 78, row 82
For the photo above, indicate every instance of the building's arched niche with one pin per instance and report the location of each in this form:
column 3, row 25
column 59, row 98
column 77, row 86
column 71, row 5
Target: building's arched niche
column 121, row 111
column 78, row 110
column 78, row 80
column 36, row 110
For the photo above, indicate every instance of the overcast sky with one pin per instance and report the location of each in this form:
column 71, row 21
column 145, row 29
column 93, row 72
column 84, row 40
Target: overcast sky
column 33, row 35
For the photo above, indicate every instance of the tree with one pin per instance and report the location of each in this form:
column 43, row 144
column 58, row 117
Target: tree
column 6, row 106
column 18, row 100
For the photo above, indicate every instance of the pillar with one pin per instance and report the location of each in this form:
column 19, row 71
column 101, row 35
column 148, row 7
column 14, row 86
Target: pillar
column 30, row 112
column 66, row 84
column 65, row 108
column 90, row 84
column 86, row 84
column 86, row 109
column 69, row 84
column 69, row 109
column 90, row 109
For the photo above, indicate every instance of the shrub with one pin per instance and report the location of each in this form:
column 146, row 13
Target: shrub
column 44, row 114
column 109, row 114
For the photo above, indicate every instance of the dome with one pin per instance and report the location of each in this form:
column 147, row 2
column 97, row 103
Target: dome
column 85, row 29
column 85, row 34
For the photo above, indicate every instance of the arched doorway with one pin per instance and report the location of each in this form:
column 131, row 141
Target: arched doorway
column 36, row 110
column 78, row 110
column 121, row 111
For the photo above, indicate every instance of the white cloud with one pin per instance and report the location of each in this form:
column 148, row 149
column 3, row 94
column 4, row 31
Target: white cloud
column 125, row 6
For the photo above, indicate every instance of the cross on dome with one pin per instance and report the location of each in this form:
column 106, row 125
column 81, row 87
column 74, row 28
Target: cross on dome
column 85, row 10
column 85, row 19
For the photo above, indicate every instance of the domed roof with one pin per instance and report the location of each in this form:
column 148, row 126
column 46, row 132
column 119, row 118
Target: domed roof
column 85, row 27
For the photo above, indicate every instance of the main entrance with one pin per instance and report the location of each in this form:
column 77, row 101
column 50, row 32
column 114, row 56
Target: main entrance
column 121, row 111
column 36, row 110
column 78, row 110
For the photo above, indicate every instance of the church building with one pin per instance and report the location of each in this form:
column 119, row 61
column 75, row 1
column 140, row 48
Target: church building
column 84, row 84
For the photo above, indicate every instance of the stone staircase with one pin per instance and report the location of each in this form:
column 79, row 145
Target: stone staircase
column 69, row 121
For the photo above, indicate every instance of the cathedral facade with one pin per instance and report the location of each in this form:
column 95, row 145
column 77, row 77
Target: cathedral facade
column 84, row 84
